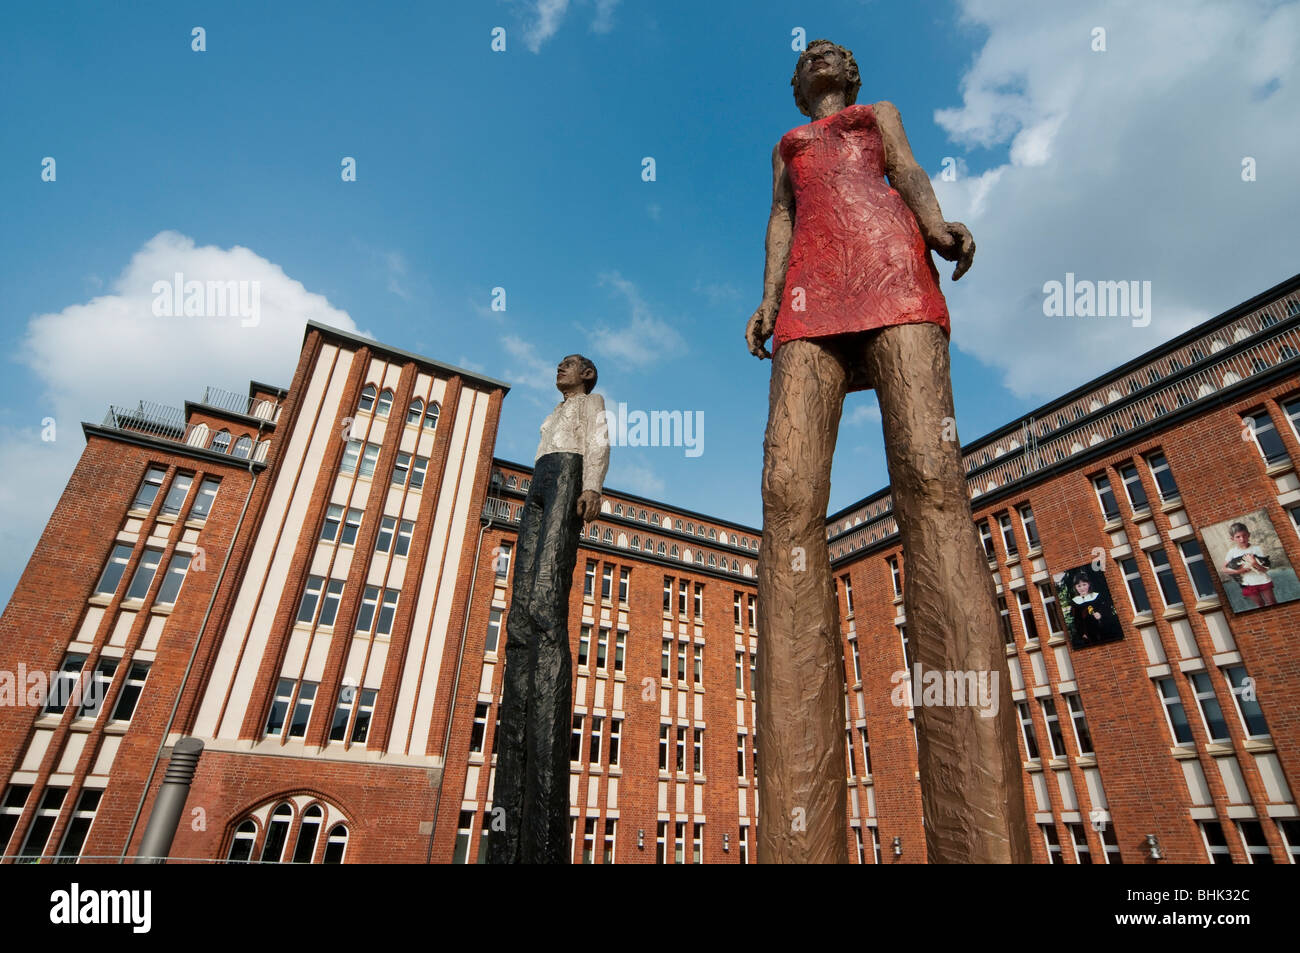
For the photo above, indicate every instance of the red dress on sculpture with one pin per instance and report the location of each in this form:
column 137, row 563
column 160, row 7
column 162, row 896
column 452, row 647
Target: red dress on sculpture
column 857, row 254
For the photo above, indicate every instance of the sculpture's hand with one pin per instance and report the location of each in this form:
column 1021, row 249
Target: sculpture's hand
column 761, row 325
column 588, row 505
column 954, row 243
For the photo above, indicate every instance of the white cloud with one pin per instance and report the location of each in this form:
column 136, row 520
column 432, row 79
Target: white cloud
column 863, row 412
column 635, row 478
column 547, row 16
column 529, row 369
column 1122, row 165
column 114, row 350
column 640, row 340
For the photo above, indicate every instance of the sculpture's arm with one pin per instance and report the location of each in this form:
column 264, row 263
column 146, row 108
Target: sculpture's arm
column 595, row 456
column 952, row 240
column 780, row 229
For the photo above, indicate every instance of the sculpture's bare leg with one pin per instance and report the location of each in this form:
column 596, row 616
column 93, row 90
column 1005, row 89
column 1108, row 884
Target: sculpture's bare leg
column 972, row 787
column 802, row 767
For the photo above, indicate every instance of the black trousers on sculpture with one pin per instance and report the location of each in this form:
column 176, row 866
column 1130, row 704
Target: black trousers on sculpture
column 532, row 775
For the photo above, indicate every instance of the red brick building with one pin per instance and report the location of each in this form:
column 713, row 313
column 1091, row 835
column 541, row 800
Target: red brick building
column 307, row 579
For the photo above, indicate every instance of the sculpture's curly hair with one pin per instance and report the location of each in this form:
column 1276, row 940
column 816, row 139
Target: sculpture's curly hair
column 855, row 79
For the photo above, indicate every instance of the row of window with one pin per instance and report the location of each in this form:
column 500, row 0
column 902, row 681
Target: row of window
column 353, row 712
column 145, row 571
column 174, row 502
column 683, row 590
column 360, row 457
column 36, row 841
column 320, row 605
column 273, row 847
column 92, row 687
column 1253, row 841
column 744, row 606
column 380, row 403
column 1079, row 841
column 606, row 582
column 342, row 526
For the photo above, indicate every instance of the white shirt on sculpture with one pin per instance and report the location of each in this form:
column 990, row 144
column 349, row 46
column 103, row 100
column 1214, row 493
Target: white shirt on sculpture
column 578, row 425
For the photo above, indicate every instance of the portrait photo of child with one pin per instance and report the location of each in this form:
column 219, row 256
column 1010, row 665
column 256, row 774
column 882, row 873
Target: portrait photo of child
column 1251, row 562
column 1090, row 617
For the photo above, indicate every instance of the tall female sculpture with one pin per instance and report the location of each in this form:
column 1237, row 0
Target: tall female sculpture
column 851, row 300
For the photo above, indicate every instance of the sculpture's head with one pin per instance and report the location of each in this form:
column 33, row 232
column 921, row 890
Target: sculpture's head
column 573, row 372
column 824, row 65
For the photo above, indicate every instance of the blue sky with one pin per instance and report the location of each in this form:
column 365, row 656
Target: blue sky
column 522, row 169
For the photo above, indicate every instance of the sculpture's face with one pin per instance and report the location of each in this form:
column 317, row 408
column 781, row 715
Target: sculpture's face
column 568, row 374
column 824, row 67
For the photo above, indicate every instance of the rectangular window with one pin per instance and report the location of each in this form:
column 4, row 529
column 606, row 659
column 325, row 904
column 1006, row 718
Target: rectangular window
column 751, row 613
column 584, row 646
column 1027, row 731
column 502, row 561
column 1208, row 703
column 1082, row 736
column 907, row 653
column 113, row 570
column 699, row 602
column 1031, row 528
column 1243, row 695
column 144, row 573
column 132, row 688
column 101, row 677
column 575, row 739
column 1027, row 614
column 1137, row 592
column 1165, row 577
column 986, row 541
column 351, row 526
column 365, row 712
column 351, row 453
column 1260, row 426
column 177, row 567
column 1256, row 844
column 387, row 611
column 207, row 495
column 1079, row 837
column 74, row 838
column 682, row 590
column 1051, row 609
column 699, row 751
column 697, row 843
column 149, row 487
column 853, row 757
column 310, row 598
column 330, row 606
column 39, row 831
column 606, row 582
column 681, row 661
column 1289, row 830
column 1175, row 714
column 666, row 660
column 589, row 579
column 1164, row 477
column 280, row 706
column 1137, row 496
column 620, row 651
column 698, row 666
column 611, row 825
column 1008, row 633
column 1052, row 843
column 740, row 756
column 1008, row 535
column 615, row 739
column 744, row 843
column 329, row 530
column 464, row 833
column 369, row 457
column 848, row 594
column 681, row 750
column 1054, row 733
column 63, row 686
column 1197, row 571
column 1110, row 845
column 679, row 842
column 1106, row 497
column 343, row 713
column 737, row 606
column 405, row 532
column 1216, row 845
column 661, row 842
column 866, row 749
column 419, row 470
column 369, row 602
column 624, row 576
column 387, row 529
column 1291, row 409
column 668, row 594
column 663, row 747
column 895, row 576
column 597, row 725
column 857, row 662
column 478, row 734
column 176, row 494
column 302, row 710
column 589, row 840
column 602, row 649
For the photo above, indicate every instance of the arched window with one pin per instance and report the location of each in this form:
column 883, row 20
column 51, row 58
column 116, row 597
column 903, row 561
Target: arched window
column 713, row 534
column 305, row 849
column 713, row 560
column 525, row 483
column 384, row 404
column 644, row 516
column 677, row 525
column 654, row 519
column 243, row 447
column 618, row 509
column 661, row 548
column 337, row 845
column 277, row 832
column 735, row 566
column 241, row 848
column 510, row 483
column 367, row 401
column 431, row 418
column 674, row 551
column 690, row 527
column 594, row 532
column 609, row 536
column 415, row 411
column 221, row 441
column 636, row 542
column 699, row 557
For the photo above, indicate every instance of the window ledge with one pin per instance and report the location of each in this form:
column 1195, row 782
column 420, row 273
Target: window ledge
column 1013, row 560
column 1112, row 524
column 132, row 604
column 167, row 518
column 1056, row 640
column 1142, row 618
column 1214, row 748
column 137, row 513
column 196, row 523
column 1171, row 504
column 164, row 609
column 1059, row 764
column 48, row 719
column 1010, row 648
column 117, row 727
column 1205, row 605
column 1277, row 469
column 898, row 598
column 1261, row 744
column 1031, row 643
column 1086, row 760
column 1142, row 512
column 1175, row 611
column 99, row 600
column 1034, row 765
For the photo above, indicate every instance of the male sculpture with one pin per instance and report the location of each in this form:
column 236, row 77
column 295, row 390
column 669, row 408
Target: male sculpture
column 532, row 778
column 852, row 298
